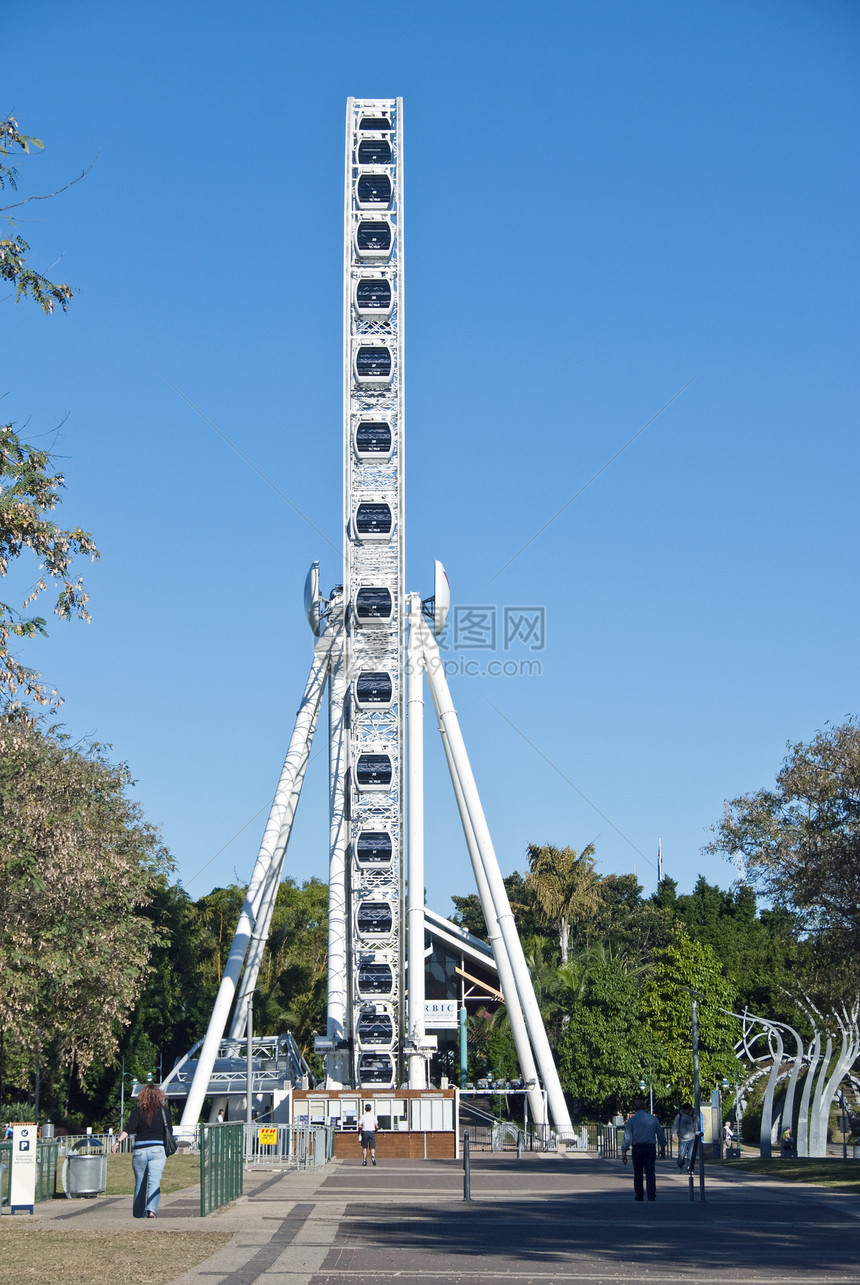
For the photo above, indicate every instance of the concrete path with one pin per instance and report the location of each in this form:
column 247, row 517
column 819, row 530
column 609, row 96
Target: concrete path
column 542, row 1219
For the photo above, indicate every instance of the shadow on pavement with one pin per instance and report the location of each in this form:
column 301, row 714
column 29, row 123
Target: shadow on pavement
column 740, row 1230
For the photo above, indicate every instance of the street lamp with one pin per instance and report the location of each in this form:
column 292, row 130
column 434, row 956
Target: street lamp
column 132, row 1077
column 649, row 1084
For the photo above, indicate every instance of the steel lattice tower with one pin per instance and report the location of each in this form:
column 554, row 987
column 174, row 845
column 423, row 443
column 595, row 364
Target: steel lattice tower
column 366, row 937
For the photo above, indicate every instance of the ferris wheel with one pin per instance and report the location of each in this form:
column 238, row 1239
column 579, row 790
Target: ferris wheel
column 373, row 648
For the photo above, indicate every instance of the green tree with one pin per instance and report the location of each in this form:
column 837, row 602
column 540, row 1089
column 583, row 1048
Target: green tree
column 77, row 865
column 29, row 491
column 29, row 485
column 469, row 914
column 631, row 927
column 566, row 888
column 606, row 1044
column 293, row 982
column 800, row 842
column 681, row 967
column 13, row 248
column 760, row 952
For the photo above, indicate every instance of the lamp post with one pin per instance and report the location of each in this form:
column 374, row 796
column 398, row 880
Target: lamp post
column 123, row 1074
column 697, row 1095
column 649, row 1084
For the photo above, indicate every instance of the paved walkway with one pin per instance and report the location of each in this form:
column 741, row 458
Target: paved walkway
column 542, row 1219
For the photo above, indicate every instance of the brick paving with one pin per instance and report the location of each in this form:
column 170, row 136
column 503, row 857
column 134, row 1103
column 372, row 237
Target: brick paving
column 547, row 1219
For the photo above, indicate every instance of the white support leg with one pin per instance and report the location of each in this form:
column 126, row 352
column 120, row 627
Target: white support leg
column 263, row 920
column 522, row 978
column 338, row 1022
column 525, row 1057
column 415, row 845
column 271, row 853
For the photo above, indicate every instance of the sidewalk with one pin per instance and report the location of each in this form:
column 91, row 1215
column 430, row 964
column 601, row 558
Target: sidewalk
column 544, row 1218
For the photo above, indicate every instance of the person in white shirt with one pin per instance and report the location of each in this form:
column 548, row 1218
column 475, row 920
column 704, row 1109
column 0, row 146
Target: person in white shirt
column 368, row 1125
column 643, row 1133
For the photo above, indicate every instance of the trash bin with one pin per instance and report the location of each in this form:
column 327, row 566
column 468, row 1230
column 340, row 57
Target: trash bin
column 856, row 1151
column 84, row 1175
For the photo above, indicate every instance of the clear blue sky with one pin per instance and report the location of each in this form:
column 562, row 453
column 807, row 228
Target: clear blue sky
column 604, row 201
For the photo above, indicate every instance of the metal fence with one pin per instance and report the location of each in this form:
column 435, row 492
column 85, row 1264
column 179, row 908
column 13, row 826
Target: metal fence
column 221, row 1165
column 598, row 1139
column 226, row 1149
column 288, row 1146
column 47, row 1153
column 93, row 1141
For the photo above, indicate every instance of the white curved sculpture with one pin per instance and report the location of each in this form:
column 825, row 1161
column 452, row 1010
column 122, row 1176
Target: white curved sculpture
column 824, row 1073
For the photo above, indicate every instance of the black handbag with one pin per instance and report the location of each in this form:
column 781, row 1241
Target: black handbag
column 170, row 1144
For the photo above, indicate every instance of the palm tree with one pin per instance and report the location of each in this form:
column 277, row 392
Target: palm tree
column 565, row 886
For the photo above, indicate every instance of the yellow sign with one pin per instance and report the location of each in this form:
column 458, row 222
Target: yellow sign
column 268, row 1137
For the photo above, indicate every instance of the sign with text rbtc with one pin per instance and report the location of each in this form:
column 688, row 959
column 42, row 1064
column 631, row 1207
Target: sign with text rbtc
column 441, row 1014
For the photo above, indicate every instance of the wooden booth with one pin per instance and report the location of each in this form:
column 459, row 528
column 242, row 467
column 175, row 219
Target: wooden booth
column 415, row 1124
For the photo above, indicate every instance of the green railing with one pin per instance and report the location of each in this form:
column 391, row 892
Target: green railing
column 46, row 1170
column 221, row 1165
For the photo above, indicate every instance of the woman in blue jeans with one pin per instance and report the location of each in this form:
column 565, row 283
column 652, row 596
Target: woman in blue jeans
column 149, row 1122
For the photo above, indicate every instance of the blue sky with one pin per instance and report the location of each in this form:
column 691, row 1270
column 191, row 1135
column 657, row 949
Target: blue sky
column 604, row 202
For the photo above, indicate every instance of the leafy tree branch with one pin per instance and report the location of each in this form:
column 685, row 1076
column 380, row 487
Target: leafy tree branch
column 29, row 492
column 14, row 267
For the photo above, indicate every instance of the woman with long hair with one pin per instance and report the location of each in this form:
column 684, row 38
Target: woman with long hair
column 150, row 1124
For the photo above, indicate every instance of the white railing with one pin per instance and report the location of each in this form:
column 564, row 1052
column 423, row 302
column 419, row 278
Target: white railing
column 287, row 1146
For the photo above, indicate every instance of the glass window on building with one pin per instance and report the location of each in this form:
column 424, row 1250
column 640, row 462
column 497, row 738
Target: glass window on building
column 442, row 980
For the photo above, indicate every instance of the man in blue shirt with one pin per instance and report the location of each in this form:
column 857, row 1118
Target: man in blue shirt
column 643, row 1133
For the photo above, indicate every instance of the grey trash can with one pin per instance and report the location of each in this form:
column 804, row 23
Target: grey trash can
column 84, row 1175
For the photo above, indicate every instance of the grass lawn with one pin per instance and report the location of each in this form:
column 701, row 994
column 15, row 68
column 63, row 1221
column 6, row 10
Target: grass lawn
column 33, row 1253
column 180, row 1171
column 839, row 1175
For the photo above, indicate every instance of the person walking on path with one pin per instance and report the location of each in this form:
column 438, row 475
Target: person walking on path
column 150, row 1124
column 369, row 1125
column 643, row 1133
column 684, row 1128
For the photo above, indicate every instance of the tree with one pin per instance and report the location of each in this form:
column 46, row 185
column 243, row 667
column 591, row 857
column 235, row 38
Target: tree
column 631, row 928
column 29, row 491
column 291, row 985
column 29, row 486
column 469, row 913
column 77, row 864
column 800, row 842
column 293, row 982
column 13, row 248
column 606, row 1045
column 759, row 952
column 565, row 886
column 680, row 967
